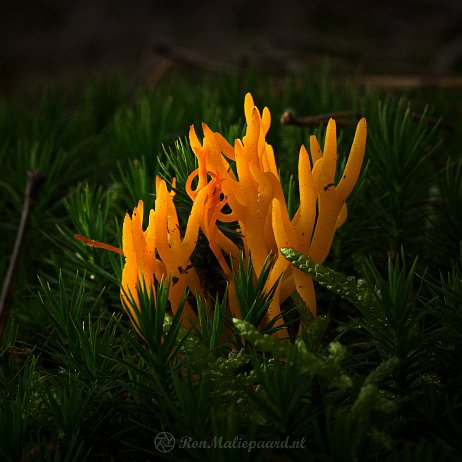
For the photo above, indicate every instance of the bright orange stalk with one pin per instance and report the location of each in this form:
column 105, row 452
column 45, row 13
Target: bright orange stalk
column 99, row 245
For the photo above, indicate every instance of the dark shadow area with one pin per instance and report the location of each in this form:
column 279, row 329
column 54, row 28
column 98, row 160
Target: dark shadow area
column 49, row 41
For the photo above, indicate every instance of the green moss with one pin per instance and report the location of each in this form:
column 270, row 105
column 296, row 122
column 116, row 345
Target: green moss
column 376, row 376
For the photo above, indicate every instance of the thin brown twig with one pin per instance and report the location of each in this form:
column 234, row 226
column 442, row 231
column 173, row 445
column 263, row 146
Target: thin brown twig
column 34, row 181
column 193, row 58
column 157, row 74
column 345, row 118
column 434, row 121
column 409, row 81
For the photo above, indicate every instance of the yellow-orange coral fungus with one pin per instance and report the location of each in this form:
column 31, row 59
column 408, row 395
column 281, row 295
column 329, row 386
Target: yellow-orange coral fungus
column 242, row 179
column 140, row 261
column 257, row 201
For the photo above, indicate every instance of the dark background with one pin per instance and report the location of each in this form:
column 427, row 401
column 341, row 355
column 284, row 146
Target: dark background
column 51, row 40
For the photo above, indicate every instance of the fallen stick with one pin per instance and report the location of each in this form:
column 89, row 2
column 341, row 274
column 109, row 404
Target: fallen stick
column 34, row 181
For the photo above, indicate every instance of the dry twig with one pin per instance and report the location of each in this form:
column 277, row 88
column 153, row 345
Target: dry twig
column 345, row 118
column 34, row 181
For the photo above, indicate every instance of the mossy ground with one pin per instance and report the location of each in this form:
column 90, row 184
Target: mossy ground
column 376, row 381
